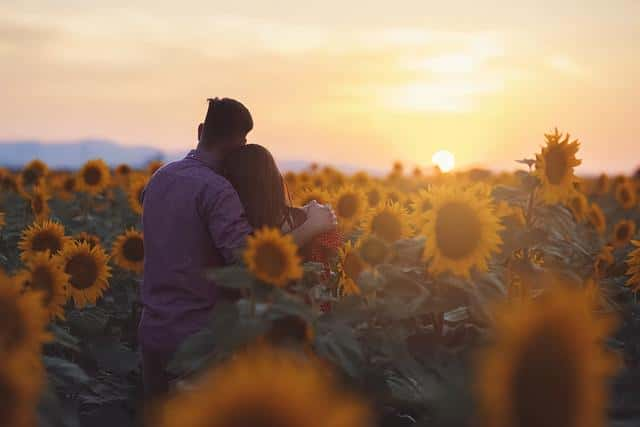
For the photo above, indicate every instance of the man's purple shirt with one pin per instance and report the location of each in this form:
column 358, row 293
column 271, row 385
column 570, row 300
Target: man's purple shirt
column 193, row 220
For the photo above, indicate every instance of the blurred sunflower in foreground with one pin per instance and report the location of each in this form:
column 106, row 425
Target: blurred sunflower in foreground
column 44, row 275
column 462, row 231
column 42, row 237
column 128, row 251
column 272, row 257
column 23, row 322
column 265, row 388
column 94, row 177
column 633, row 261
column 548, row 365
column 87, row 270
column 554, row 167
column 389, row 221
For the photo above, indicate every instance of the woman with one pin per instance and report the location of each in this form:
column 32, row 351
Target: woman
column 253, row 173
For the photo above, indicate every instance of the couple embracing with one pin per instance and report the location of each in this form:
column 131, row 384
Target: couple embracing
column 198, row 212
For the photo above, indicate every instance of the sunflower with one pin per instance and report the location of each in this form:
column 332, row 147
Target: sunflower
column 265, row 387
column 128, row 251
column 597, row 218
column 31, row 175
column 633, row 261
column 45, row 276
column 307, row 195
column 420, row 204
column 350, row 267
column 579, row 206
column 68, row 188
column 40, row 203
column 88, row 272
column 123, row 171
column 462, row 230
column 88, row 238
column 554, row 167
column 626, row 194
column 388, row 221
column 94, row 177
column 547, row 367
column 41, row 237
column 318, row 181
column 291, row 180
column 8, row 183
column 350, row 205
column 623, row 232
column 272, row 257
column 375, row 195
column 361, row 179
column 153, row 166
column 23, row 321
column 603, row 261
column 373, row 250
column 136, row 189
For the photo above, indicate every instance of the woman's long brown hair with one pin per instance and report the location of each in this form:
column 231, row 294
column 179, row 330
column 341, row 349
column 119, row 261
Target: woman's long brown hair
column 253, row 173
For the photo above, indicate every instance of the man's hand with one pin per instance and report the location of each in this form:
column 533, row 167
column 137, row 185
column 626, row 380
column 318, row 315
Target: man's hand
column 320, row 218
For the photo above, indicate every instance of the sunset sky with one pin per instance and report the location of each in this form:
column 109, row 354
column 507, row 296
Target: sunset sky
column 343, row 82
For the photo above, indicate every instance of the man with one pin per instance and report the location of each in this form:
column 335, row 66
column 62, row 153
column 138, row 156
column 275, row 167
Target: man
column 192, row 221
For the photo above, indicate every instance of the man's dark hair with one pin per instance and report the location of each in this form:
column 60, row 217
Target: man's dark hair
column 226, row 117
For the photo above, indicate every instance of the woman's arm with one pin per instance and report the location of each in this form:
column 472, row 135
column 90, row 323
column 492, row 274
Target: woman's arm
column 320, row 218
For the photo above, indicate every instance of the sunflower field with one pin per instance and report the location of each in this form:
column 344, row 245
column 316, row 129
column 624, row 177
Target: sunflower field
column 471, row 298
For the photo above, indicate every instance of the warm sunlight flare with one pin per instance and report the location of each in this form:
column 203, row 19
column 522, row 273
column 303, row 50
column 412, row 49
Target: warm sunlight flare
column 444, row 160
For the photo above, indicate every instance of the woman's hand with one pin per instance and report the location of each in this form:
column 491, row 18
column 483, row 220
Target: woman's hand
column 320, row 218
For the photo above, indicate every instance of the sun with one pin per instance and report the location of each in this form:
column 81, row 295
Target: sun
column 444, row 160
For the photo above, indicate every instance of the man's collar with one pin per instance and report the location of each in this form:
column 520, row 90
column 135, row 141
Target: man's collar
column 209, row 158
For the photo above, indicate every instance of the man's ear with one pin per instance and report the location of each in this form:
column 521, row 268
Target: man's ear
column 200, row 127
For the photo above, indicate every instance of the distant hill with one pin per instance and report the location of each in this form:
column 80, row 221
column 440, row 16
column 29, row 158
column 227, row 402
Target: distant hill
column 71, row 155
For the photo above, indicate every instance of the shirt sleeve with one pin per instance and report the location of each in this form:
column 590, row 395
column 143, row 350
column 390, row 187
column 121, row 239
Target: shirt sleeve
column 226, row 221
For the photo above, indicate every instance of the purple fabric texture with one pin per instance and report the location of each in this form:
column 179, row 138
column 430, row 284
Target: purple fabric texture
column 193, row 220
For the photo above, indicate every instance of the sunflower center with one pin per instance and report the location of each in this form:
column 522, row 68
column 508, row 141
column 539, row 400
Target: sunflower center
column 270, row 260
column 69, row 185
column 353, row 266
column 30, row 177
column 374, row 251
column 92, row 176
column 556, row 165
column 46, row 241
column 13, row 331
column 42, row 280
column 83, row 271
column 347, row 206
column 124, row 169
column 545, row 385
column 133, row 249
column 387, row 226
column 458, row 230
column 622, row 232
column 373, row 197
